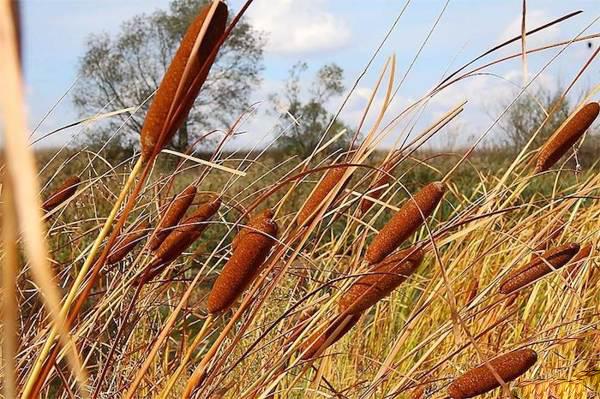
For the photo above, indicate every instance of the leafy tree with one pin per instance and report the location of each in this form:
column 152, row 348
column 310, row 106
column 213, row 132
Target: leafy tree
column 529, row 112
column 124, row 70
column 304, row 122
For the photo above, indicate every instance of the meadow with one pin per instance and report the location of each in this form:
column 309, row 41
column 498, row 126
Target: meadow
column 351, row 274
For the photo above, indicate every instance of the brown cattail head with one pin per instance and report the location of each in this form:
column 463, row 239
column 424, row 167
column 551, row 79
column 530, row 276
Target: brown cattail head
column 244, row 263
column 177, row 208
column 128, row 242
column 405, row 222
column 160, row 125
column 384, row 278
column 266, row 214
column 325, row 337
column 566, row 136
column 311, row 207
column 62, row 193
column 180, row 239
column 480, row 380
column 379, row 184
column 578, row 260
column 554, row 258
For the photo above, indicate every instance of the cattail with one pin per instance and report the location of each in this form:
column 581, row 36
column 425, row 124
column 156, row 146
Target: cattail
column 405, row 222
column 325, row 337
column 566, row 136
column 552, row 259
column 577, row 261
column 177, row 208
column 128, row 242
column 480, row 380
column 380, row 184
column 62, row 193
column 384, row 278
column 158, row 119
column 244, row 263
column 180, row 239
column 323, row 189
column 268, row 214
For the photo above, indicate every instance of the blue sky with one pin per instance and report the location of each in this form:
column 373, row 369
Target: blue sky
column 323, row 31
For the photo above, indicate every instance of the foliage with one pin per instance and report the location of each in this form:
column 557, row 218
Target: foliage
column 124, row 70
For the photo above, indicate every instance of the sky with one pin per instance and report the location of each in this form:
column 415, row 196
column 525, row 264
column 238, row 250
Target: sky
column 346, row 32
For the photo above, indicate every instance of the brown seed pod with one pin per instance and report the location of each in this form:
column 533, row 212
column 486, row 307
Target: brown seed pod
column 128, row 242
column 566, row 136
column 480, row 380
column 326, row 185
column 325, row 337
column 577, row 261
column 180, row 239
column 384, row 278
column 268, row 214
column 62, row 193
column 539, row 267
column 405, row 222
column 157, row 119
column 175, row 211
column 244, row 263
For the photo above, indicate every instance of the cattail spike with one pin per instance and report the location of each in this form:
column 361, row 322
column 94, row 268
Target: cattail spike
column 128, row 242
column 157, row 118
column 62, row 193
column 332, row 177
column 175, row 211
column 405, row 222
column 566, row 136
column 552, row 259
column 180, row 239
column 324, row 338
column 384, row 278
column 244, row 264
column 577, row 261
column 480, row 380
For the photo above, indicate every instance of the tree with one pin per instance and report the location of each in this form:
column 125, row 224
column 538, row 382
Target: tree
column 123, row 71
column 310, row 118
column 528, row 113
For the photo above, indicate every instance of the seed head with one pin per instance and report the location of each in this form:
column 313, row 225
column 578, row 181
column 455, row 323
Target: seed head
column 325, row 337
column 128, row 242
column 332, row 177
column 62, row 193
column 566, row 136
column 244, row 264
column 552, row 259
column 384, row 278
column 577, row 261
column 177, row 208
column 405, row 222
column 480, row 380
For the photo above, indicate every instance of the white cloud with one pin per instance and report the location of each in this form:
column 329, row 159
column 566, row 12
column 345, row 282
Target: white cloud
column 299, row 26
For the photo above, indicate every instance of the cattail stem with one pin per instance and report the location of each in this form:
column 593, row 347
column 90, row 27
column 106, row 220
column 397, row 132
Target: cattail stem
column 197, row 340
column 108, row 224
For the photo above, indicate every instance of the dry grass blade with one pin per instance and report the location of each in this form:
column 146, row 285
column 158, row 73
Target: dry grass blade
column 566, row 136
column 177, row 208
column 575, row 264
column 480, row 380
column 320, row 340
column 128, row 242
column 552, row 259
column 65, row 191
column 312, row 205
column 405, row 222
column 380, row 281
column 180, row 239
column 184, row 68
column 22, row 174
column 249, row 254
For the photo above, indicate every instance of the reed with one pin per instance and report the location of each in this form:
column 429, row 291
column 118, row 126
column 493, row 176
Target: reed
column 566, row 136
column 175, row 211
column 552, row 259
column 180, row 239
column 184, row 77
column 65, row 191
column 481, row 379
column 575, row 264
column 312, row 205
column 405, row 222
column 380, row 281
column 128, row 242
column 323, row 338
column 245, row 261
